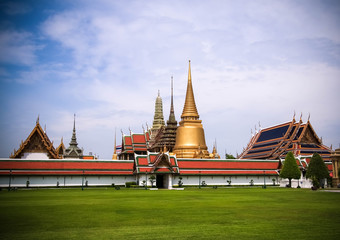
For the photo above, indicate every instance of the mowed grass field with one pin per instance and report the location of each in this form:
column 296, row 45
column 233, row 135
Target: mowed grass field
column 223, row 213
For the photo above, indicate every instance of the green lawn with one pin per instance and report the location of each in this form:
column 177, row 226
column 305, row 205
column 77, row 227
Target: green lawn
column 228, row 213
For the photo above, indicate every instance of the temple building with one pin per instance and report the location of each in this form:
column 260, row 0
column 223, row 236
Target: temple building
column 276, row 141
column 36, row 146
column 167, row 156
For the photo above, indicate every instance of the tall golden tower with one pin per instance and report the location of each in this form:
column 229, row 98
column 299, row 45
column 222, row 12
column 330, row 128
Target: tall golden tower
column 190, row 139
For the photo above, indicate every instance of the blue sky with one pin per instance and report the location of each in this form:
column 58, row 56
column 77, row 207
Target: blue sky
column 252, row 61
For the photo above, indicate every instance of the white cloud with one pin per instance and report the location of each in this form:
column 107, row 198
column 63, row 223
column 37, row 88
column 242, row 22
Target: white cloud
column 17, row 47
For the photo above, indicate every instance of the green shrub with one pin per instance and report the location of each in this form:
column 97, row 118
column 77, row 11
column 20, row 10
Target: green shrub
column 180, row 183
column 251, row 182
column 128, row 184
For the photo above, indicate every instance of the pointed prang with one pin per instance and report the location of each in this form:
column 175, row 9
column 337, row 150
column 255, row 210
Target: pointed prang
column 190, row 110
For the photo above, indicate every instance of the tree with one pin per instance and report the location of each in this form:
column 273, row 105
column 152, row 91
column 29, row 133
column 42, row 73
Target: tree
column 229, row 156
column 317, row 170
column 290, row 168
column 152, row 179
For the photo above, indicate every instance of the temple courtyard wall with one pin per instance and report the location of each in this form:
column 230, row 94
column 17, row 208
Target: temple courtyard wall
column 63, row 181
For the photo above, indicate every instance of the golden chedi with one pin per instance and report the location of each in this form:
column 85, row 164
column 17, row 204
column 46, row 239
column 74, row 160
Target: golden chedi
column 190, row 139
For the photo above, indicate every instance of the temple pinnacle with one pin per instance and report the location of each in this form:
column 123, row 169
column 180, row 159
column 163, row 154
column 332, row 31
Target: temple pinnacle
column 189, row 110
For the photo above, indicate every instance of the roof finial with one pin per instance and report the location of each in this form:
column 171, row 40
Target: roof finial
column 159, row 94
column 301, row 117
column 259, row 126
column 294, row 116
column 308, row 117
column 37, row 119
column 143, row 128
column 115, row 149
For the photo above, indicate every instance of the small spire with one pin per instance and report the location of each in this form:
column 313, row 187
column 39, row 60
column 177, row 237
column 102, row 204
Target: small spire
column 37, row 119
column 159, row 93
column 308, row 117
column 74, row 122
column 301, row 117
column 259, row 126
column 294, row 116
column 45, row 128
column 172, row 118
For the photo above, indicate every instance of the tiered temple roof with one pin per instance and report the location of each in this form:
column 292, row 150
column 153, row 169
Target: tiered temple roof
column 134, row 143
column 61, row 148
column 36, row 142
column 276, row 141
column 156, row 163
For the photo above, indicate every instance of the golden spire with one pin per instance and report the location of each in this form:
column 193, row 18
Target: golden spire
column 189, row 110
column 190, row 139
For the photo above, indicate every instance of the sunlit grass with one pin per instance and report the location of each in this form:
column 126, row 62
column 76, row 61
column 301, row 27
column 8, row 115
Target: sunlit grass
column 229, row 213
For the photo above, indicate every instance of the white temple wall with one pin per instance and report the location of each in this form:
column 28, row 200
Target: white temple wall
column 222, row 180
column 302, row 182
column 67, row 181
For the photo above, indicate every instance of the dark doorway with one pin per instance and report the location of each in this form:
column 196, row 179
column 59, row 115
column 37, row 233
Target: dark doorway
column 160, row 181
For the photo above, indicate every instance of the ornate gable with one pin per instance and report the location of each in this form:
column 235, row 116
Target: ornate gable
column 36, row 142
column 308, row 135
